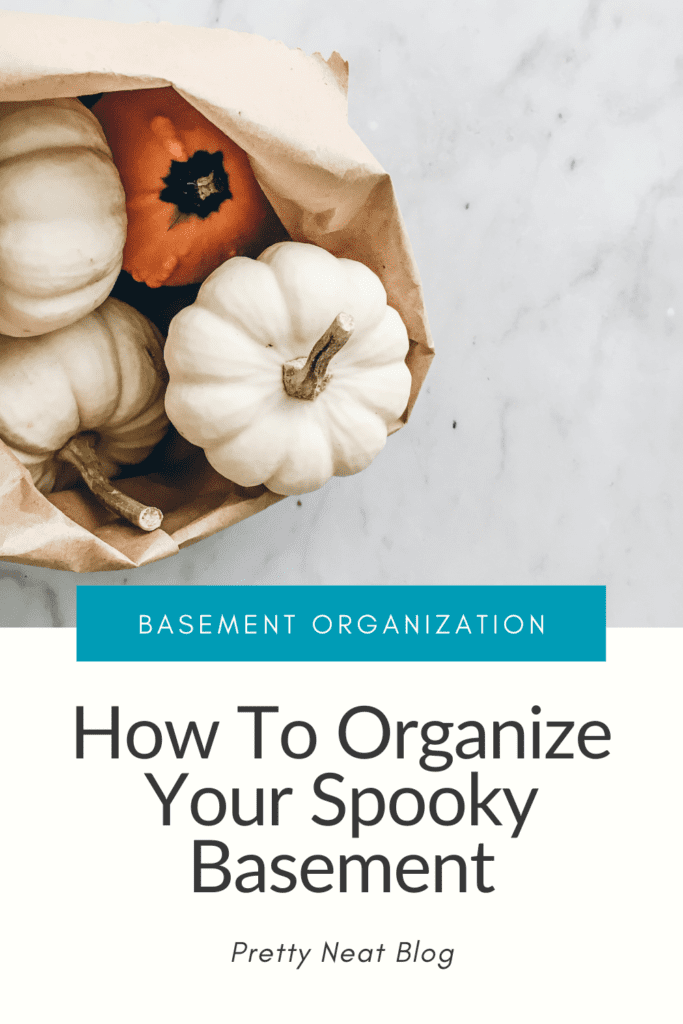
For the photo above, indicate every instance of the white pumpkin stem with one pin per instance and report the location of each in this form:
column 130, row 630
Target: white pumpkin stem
column 306, row 377
column 80, row 453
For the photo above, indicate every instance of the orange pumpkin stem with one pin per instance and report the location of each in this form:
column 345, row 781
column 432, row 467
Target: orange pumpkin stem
column 80, row 453
column 305, row 377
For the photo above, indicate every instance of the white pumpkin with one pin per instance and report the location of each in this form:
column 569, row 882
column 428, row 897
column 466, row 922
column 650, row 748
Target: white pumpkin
column 90, row 395
column 62, row 216
column 246, row 386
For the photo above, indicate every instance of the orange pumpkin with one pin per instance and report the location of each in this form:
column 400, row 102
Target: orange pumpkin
column 191, row 196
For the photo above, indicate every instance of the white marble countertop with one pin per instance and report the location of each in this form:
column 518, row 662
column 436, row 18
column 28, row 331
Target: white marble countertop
column 537, row 153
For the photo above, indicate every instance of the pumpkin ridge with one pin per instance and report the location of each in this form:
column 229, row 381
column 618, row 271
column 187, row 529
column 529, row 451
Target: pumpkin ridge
column 89, row 147
column 221, row 433
column 231, row 361
column 371, row 350
column 18, row 364
column 30, row 293
column 343, row 429
column 113, row 369
column 146, row 351
column 375, row 391
column 62, row 297
column 29, row 155
column 118, row 441
column 309, row 440
column 238, row 317
column 15, row 442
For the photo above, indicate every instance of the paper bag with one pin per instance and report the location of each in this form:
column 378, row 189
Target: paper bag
column 288, row 111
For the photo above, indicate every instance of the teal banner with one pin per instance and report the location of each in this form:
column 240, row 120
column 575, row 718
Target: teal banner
column 341, row 623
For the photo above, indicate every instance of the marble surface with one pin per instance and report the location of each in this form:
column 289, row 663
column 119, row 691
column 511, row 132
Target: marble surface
column 537, row 153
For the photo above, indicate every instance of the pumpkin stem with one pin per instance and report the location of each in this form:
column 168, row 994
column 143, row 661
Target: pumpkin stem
column 80, row 453
column 306, row 378
column 196, row 187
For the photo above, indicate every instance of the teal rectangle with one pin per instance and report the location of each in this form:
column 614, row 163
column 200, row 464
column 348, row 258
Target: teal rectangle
column 341, row 623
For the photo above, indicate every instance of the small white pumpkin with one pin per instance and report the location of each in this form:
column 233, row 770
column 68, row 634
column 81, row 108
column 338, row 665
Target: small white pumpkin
column 273, row 383
column 62, row 216
column 89, row 395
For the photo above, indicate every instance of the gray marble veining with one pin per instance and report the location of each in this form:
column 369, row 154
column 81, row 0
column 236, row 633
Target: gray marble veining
column 537, row 154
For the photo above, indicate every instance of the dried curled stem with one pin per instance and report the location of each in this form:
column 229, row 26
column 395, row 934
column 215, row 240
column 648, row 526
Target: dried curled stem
column 306, row 377
column 80, row 453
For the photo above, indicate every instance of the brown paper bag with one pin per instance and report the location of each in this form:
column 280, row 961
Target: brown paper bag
column 288, row 111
